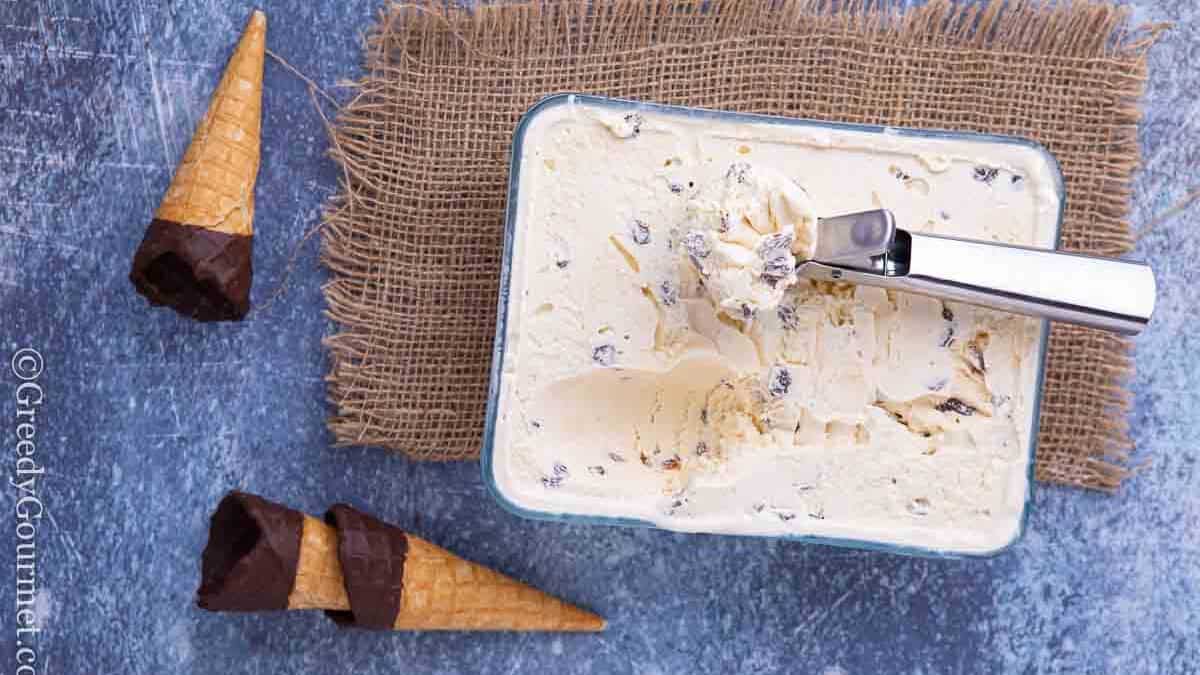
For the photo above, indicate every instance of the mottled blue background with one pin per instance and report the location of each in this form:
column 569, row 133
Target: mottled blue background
column 150, row 418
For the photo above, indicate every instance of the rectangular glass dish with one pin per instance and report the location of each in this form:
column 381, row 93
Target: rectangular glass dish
column 621, row 395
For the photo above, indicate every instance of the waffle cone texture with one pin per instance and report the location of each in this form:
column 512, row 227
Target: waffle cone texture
column 196, row 254
column 363, row 573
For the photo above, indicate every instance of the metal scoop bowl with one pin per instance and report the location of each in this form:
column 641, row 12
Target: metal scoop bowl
column 868, row 248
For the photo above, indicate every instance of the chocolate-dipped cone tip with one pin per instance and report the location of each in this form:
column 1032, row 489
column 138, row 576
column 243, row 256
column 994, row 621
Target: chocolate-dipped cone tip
column 195, row 256
column 200, row 273
column 249, row 563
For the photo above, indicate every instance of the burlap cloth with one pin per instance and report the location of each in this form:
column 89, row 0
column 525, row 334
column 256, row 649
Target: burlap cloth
column 413, row 238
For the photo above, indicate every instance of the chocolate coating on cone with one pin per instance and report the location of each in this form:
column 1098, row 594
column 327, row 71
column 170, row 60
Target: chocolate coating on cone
column 250, row 561
column 200, row 273
column 372, row 555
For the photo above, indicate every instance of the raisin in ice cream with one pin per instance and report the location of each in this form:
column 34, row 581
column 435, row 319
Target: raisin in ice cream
column 662, row 362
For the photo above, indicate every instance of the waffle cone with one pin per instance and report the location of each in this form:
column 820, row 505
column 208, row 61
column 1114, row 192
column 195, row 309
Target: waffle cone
column 213, row 186
column 440, row 590
column 444, row 592
column 363, row 572
column 319, row 583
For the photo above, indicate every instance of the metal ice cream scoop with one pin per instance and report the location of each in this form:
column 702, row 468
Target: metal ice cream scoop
column 867, row 248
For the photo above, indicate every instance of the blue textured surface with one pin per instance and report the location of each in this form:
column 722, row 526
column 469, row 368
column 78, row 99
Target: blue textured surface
column 148, row 418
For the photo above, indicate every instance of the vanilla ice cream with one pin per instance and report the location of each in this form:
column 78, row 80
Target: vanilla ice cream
column 662, row 362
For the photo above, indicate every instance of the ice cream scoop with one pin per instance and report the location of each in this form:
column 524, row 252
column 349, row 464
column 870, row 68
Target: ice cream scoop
column 868, row 248
column 755, row 233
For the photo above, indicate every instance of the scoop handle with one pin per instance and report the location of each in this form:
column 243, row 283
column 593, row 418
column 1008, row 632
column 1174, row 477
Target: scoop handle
column 1105, row 293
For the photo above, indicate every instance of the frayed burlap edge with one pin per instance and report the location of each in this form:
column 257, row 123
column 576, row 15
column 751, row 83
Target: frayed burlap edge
column 1090, row 449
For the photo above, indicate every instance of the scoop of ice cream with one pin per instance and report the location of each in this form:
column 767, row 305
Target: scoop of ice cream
column 746, row 233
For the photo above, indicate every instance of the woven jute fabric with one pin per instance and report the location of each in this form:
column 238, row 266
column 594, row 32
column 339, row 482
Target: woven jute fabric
column 413, row 237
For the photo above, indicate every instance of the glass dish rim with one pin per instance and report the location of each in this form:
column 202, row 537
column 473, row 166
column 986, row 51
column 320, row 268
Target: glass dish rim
column 500, row 339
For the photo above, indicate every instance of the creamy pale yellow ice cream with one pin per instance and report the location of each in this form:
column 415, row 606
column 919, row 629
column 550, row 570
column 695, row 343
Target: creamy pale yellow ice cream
column 663, row 363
